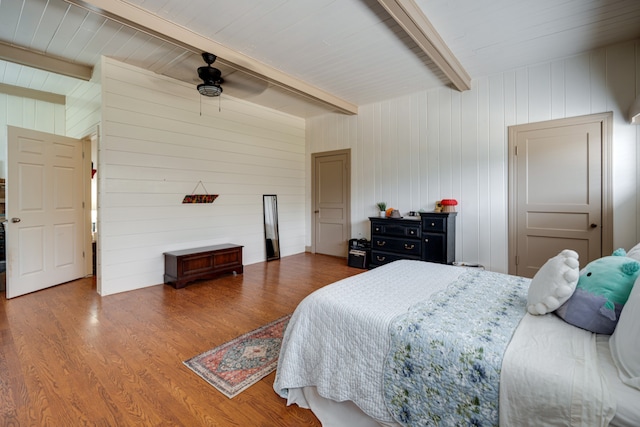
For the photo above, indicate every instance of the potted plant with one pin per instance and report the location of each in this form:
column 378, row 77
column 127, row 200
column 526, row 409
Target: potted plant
column 382, row 207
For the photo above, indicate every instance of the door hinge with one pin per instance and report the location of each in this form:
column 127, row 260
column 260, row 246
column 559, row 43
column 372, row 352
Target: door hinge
column 516, row 150
column 517, row 260
column 82, row 254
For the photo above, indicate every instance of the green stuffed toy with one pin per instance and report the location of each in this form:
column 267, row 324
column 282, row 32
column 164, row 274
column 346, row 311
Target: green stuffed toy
column 603, row 288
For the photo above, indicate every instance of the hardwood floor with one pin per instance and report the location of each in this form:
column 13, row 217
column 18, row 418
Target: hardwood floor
column 69, row 357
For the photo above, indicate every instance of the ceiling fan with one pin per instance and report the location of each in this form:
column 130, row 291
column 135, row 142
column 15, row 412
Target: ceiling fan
column 209, row 80
column 211, row 77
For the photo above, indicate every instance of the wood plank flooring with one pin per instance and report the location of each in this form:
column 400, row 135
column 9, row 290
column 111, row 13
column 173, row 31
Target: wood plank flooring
column 69, row 357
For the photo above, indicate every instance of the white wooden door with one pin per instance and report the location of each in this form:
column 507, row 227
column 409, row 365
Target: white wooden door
column 44, row 232
column 558, row 191
column 331, row 178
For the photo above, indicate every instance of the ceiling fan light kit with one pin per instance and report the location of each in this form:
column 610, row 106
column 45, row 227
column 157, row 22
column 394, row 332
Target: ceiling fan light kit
column 211, row 77
column 209, row 89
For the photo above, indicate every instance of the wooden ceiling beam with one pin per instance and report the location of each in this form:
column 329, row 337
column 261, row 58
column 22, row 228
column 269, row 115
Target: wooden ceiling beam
column 148, row 23
column 411, row 18
column 41, row 61
column 39, row 95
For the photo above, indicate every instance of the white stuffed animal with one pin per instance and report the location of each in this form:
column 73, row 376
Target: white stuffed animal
column 554, row 283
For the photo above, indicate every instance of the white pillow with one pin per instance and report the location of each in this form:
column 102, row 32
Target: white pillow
column 554, row 283
column 625, row 340
column 634, row 252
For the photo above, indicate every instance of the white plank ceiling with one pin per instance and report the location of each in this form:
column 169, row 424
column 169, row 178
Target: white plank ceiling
column 352, row 50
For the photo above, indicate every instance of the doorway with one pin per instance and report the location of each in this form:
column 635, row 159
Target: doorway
column 560, row 194
column 331, row 184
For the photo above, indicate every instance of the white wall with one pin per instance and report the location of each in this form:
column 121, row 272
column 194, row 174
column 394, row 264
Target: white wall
column 29, row 114
column 83, row 107
column 155, row 146
column 409, row 152
column 415, row 150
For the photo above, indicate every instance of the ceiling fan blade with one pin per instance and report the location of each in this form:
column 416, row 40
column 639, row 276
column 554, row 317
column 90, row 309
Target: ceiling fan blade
column 243, row 86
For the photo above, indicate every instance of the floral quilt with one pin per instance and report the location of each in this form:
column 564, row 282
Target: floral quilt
column 443, row 367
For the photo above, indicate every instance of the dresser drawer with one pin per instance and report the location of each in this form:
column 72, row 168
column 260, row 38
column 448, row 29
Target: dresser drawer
column 399, row 230
column 401, row 246
column 380, row 258
column 434, row 224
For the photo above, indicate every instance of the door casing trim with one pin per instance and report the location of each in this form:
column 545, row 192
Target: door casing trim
column 314, row 217
column 606, row 121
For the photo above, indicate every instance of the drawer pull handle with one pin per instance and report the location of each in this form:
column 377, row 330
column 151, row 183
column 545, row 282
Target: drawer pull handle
column 426, row 240
column 381, row 258
column 381, row 243
column 433, row 224
column 412, row 232
column 409, row 247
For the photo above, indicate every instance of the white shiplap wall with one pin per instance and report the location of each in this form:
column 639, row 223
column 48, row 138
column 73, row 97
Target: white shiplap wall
column 29, row 114
column 155, row 147
column 84, row 106
column 417, row 149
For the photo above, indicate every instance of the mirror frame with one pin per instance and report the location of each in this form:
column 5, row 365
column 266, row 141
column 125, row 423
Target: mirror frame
column 271, row 231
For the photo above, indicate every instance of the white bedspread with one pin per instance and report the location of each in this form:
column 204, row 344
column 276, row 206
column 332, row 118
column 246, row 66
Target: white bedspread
column 551, row 376
column 338, row 337
column 356, row 314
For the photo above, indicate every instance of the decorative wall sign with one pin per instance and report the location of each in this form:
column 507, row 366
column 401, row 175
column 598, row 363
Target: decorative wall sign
column 199, row 198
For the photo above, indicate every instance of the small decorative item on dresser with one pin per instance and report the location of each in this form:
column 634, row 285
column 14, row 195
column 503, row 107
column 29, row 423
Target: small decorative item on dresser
column 382, row 207
column 448, row 205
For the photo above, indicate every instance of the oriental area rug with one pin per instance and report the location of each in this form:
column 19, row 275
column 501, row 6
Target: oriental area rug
column 238, row 364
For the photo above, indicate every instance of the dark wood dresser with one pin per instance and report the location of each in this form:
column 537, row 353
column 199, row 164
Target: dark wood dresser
column 431, row 237
column 187, row 265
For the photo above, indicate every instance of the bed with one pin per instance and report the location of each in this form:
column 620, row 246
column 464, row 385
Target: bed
column 416, row 343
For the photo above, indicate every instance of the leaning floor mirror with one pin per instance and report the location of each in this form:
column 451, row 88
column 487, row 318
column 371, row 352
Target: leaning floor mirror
column 271, row 238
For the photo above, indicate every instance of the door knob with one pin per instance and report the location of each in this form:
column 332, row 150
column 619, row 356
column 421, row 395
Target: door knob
column 15, row 219
column 594, row 225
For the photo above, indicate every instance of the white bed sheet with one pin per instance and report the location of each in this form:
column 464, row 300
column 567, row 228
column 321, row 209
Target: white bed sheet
column 332, row 413
column 627, row 398
column 551, row 376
